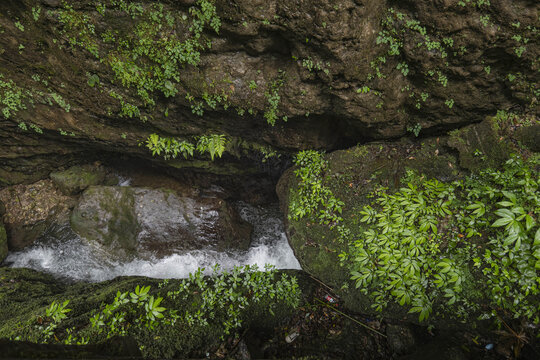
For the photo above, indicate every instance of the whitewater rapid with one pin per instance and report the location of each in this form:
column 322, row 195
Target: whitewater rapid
column 63, row 254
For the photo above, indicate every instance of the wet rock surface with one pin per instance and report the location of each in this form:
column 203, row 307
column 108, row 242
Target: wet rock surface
column 157, row 221
column 31, row 209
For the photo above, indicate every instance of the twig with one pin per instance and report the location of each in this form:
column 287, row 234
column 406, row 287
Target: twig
column 323, row 284
column 351, row 318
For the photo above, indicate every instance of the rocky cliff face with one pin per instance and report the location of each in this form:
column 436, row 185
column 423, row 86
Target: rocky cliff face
column 89, row 77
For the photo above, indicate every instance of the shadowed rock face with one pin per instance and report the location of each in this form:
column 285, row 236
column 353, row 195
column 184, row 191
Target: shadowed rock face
column 326, row 63
column 126, row 220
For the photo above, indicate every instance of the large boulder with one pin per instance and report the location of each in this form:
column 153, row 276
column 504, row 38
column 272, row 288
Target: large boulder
column 352, row 175
column 77, row 178
column 106, row 215
column 126, row 220
column 31, row 209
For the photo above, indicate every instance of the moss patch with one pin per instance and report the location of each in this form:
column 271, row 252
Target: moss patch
column 479, row 146
column 77, row 178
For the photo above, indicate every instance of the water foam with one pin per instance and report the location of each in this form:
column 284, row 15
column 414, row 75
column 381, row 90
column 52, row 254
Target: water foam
column 63, row 254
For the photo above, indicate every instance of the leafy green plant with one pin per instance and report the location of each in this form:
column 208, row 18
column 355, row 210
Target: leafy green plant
column 404, row 67
column 55, row 313
column 153, row 310
column 36, row 128
column 212, row 144
column 397, row 27
column 36, row 11
column 484, row 19
column 93, row 80
column 11, row 98
column 19, row 26
column 65, row 133
column 170, row 148
column 402, row 241
column 417, row 246
column 150, row 55
column 61, row 102
column 268, row 152
column 312, row 198
column 273, row 98
column 219, row 300
column 363, row 90
column 415, row 129
column 229, row 292
column 311, row 65
column 252, row 85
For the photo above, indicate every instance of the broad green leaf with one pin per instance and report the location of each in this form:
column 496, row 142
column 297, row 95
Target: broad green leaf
column 502, row 222
column 505, row 213
column 505, row 203
column 529, row 222
column 510, row 196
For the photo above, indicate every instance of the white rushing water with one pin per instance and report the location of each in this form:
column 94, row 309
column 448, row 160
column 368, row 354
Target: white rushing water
column 64, row 254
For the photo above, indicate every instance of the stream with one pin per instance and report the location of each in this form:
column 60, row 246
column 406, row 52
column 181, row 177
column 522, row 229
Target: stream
column 62, row 253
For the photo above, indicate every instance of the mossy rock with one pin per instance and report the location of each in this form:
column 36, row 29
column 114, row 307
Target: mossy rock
column 77, row 178
column 479, row 145
column 3, row 243
column 529, row 136
column 26, row 294
column 106, row 215
column 352, row 175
